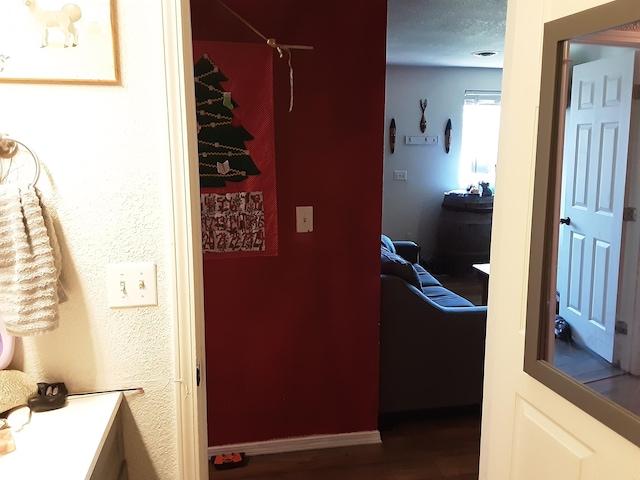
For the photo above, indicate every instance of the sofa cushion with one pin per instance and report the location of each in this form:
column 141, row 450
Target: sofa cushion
column 446, row 298
column 426, row 279
column 387, row 243
column 393, row 264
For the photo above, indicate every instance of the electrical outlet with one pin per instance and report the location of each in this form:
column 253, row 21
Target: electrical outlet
column 400, row 175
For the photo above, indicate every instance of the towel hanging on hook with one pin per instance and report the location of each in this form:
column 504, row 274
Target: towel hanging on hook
column 9, row 149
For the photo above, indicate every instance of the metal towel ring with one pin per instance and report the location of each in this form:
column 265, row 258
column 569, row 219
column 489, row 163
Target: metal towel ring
column 33, row 155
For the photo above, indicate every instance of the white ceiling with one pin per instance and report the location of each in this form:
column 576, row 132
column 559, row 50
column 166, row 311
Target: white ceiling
column 445, row 32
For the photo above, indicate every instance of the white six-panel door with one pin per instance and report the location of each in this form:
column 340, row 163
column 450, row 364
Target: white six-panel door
column 592, row 199
column 528, row 431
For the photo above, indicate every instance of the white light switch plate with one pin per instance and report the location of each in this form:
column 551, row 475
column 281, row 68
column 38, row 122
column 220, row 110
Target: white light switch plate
column 132, row 284
column 304, row 219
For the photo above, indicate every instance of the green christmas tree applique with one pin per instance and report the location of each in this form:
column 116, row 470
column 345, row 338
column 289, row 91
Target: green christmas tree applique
column 222, row 153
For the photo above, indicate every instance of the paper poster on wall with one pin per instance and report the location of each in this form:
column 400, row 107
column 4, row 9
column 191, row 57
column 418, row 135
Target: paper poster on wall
column 236, row 148
column 232, row 222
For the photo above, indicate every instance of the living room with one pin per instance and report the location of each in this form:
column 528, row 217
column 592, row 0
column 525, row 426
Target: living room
column 446, row 61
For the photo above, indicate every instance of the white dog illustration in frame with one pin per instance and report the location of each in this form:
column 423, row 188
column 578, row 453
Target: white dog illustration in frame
column 64, row 19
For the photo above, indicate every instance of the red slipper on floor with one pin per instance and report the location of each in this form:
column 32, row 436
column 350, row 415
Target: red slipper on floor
column 232, row 460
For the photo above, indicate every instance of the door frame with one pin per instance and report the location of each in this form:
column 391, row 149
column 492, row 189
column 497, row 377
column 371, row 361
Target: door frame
column 626, row 347
column 186, row 274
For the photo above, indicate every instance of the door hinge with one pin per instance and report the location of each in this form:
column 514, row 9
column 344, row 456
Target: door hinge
column 621, row 328
column 198, row 375
column 635, row 93
column 629, row 214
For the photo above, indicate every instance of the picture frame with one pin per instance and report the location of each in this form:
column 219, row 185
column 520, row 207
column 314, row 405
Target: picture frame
column 81, row 48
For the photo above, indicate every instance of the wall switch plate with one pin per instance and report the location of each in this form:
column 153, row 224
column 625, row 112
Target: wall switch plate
column 304, row 219
column 417, row 140
column 132, row 284
column 400, row 175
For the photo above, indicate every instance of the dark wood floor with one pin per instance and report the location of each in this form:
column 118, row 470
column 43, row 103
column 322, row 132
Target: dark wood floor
column 443, row 444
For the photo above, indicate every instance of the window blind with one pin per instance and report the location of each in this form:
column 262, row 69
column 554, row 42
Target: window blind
column 482, row 97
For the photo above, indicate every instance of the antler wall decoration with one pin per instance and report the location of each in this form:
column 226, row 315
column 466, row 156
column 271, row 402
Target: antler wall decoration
column 423, row 121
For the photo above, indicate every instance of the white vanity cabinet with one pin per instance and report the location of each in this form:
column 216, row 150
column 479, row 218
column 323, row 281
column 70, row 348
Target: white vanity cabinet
column 82, row 440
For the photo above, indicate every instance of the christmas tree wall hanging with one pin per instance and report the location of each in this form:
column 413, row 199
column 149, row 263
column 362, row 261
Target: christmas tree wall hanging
column 222, row 152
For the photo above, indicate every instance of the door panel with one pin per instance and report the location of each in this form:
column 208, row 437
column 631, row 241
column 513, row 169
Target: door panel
column 538, row 437
column 575, row 275
column 606, row 179
column 600, row 268
column 581, row 167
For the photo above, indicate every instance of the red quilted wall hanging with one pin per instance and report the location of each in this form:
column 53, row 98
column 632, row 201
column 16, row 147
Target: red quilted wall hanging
column 236, row 148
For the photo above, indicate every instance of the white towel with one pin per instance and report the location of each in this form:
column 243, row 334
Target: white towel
column 30, row 263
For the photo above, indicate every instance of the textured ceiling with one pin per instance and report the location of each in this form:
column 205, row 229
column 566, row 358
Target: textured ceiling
column 445, row 32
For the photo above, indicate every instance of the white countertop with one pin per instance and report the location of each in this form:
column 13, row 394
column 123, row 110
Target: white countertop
column 63, row 443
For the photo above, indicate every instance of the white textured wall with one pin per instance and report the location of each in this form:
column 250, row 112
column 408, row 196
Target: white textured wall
column 414, row 206
column 105, row 160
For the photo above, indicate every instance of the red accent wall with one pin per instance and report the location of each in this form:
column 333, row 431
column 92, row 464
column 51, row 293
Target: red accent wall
column 292, row 340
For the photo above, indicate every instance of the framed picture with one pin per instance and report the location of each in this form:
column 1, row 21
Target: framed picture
column 59, row 41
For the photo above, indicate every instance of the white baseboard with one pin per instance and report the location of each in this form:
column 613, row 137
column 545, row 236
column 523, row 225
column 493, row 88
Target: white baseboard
column 297, row 444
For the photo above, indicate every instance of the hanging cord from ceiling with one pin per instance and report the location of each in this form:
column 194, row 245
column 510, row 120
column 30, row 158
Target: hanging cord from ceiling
column 280, row 48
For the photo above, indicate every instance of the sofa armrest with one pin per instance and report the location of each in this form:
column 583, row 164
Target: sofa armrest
column 408, row 250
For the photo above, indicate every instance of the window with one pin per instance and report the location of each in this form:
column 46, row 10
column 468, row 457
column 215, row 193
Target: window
column 480, row 129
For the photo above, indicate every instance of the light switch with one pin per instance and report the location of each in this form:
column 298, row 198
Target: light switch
column 132, row 284
column 304, row 219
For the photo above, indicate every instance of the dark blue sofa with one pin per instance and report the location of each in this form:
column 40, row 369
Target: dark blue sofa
column 432, row 341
